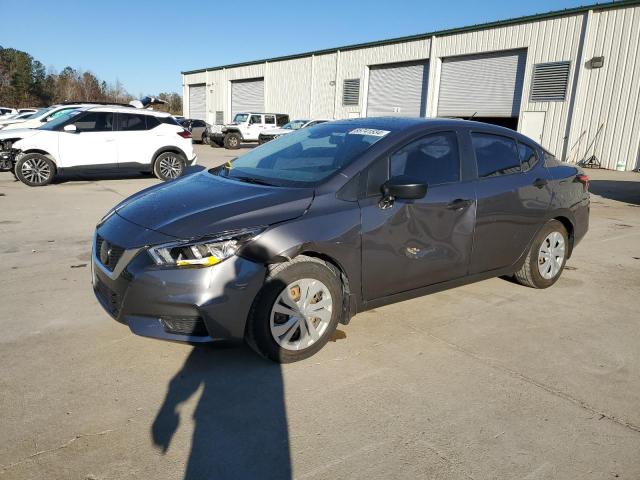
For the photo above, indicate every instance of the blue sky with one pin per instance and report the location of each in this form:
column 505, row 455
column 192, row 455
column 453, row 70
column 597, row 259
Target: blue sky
column 146, row 44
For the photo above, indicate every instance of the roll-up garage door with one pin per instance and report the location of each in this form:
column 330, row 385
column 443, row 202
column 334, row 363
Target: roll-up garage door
column 197, row 102
column 247, row 96
column 398, row 90
column 487, row 85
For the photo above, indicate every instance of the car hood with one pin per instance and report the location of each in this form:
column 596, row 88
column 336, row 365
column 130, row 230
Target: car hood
column 18, row 133
column 203, row 204
column 276, row 131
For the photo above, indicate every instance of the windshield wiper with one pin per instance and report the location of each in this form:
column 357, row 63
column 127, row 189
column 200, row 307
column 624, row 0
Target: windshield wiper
column 255, row 181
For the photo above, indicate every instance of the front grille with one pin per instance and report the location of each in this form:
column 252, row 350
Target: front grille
column 184, row 325
column 110, row 299
column 108, row 253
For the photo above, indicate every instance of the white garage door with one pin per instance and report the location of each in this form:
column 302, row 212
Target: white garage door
column 197, row 102
column 399, row 90
column 247, row 96
column 487, row 85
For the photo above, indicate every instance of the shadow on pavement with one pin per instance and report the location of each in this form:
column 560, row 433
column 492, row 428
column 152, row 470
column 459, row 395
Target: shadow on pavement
column 622, row 191
column 240, row 422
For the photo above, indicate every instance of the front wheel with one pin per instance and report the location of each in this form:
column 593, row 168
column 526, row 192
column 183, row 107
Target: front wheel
column 546, row 258
column 168, row 165
column 232, row 141
column 35, row 170
column 297, row 310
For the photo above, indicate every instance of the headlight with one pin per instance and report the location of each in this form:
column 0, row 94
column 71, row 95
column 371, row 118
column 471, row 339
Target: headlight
column 204, row 252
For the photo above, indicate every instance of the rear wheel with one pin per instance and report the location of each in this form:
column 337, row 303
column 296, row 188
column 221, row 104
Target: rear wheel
column 169, row 165
column 546, row 258
column 296, row 312
column 232, row 141
column 35, row 170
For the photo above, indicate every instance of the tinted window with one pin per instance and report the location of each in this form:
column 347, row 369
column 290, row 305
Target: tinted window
column 270, row 119
column 198, row 123
column 528, row 156
column 168, row 120
column 128, row 122
column 255, row 119
column 95, row 122
column 496, row 155
column 433, row 159
column 152, row 122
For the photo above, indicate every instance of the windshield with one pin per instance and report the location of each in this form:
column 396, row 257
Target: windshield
column 37, row 113
column 240, row 117
column 59, row 120
column 305, row 157
column 295, row 124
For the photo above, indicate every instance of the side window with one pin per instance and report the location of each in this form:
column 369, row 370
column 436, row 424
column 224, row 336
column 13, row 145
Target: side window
column 255, row 119
column 528, row 157
column 433, row 159
column 496, row 155
column 152, row 122
column 95, row 122
column 269, row 119
column 198, row 123
column 128, row 122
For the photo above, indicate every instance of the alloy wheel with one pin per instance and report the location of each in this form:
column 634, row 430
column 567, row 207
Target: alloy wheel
column 551, row 255
column 36, row 170
column 170, row 167
column 301, row 314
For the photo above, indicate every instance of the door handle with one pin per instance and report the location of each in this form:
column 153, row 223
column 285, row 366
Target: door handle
column 459, row 204
column 539, row 182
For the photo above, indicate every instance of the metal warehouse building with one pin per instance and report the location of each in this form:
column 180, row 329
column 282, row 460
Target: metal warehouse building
column 569, row 79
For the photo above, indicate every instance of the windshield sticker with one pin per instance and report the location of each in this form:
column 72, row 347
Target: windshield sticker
column 369, row 131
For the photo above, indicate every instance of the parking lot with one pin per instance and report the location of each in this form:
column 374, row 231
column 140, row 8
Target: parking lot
column 490, row 380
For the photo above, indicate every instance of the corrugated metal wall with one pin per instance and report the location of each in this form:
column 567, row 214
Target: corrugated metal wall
column 606, row 119
column 312, row 85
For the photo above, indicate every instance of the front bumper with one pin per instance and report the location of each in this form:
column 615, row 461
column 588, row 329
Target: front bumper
column 192, row 305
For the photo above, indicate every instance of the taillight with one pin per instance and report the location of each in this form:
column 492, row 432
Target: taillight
column 185, row 134
column 584, row 180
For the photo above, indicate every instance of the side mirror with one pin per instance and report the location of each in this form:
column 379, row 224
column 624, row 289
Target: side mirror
column 71, row 128
column 404, row 187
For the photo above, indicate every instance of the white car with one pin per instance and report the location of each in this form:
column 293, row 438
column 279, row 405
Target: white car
column 7, row 111
column 100, row 138
column 292, row 126
column 37, row 118
column 246, row 127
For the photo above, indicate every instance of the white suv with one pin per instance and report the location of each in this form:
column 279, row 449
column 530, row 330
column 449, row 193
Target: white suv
column 246, row 127
column 103, row 138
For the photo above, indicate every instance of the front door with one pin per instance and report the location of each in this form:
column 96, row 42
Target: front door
column 416, row 243
column 254, row 128
column 92, row 145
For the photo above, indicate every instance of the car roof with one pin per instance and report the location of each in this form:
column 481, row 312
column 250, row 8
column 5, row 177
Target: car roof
column 123, row 109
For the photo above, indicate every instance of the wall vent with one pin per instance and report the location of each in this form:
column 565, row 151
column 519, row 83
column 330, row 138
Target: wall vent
column 219, row 118
column 550, row 82
column 351, row 92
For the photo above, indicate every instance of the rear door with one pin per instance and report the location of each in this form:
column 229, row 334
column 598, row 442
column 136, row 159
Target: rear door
column 135, row 142
column 416, row 243
column 513, row 199
column 92, row 145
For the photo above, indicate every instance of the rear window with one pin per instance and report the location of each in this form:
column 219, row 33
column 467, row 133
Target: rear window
column 496, row 155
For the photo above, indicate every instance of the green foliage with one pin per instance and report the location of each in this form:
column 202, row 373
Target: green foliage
column 25, row 82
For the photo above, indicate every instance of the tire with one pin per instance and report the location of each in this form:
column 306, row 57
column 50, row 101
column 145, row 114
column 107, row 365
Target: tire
column 232, row 141
column 35, row 170
column 169, row 166
column 542, row 267
column 284, row 281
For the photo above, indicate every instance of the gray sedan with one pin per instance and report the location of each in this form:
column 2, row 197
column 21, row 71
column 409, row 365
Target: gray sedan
column 299, row 235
